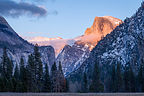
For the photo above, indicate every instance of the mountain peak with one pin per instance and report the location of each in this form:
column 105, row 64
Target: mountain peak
column 9, row 38
column 5, row 27
column 100, row 28
column 3, row 21
column 103, row 25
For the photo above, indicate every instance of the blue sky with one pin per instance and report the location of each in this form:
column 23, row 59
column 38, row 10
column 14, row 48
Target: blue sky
column 73, row 17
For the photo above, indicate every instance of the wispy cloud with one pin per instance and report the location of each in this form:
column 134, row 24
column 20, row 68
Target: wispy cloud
column 15, row 9
column 32, row 32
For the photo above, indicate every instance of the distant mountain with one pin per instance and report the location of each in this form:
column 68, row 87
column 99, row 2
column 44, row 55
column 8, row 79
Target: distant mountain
column 57, row 43
column 41, row 39
column 125, row 44
column 18, row 47
column 73, row 56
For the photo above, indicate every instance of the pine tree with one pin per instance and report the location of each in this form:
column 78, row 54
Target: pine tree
column 0, row 69
column 1, row 79
column 32, row 84
column 16, row 73
column 126, row 78
column 119, row 79
column 85, row 83
column 129, row 79
column 39, row 68
column 67, row 85
column 4, row 62
column 1, row 84
column 9, row 74
column 4, row 71
column 47, row 82
column 112, row 80
column 22, row 68
column 7, row 69
column 23, row 77
column 15, row 80
column 53, row 68
column 62, row 80
column 54, row 78
column 141, row 76
column 132, row 80
column 96, row 85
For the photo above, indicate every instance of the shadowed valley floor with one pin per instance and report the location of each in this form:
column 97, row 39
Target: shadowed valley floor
column 71, row 94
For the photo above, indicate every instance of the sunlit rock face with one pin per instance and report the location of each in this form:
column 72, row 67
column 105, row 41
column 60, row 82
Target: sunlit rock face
column 100, row 28
column 103, row 25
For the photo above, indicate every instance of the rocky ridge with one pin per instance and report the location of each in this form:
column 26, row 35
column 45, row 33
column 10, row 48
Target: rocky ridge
column 124, row 45
column 18, row 47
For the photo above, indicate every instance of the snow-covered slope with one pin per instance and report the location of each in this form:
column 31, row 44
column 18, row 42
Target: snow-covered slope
column 124, row 45
column 72, row 56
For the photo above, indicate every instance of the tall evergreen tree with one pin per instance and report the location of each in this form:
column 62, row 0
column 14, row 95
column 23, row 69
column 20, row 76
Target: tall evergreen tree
column 67, row 85
column 39, row 67
column 9, row 74
column 32, row 84
column 85, row 83
column 132, row 80
column 15, row 80
column 0, row 69
column 96, row 85
column 22, row 68
column 1, row 79
column 4, row 70
column 126, row 78
column 7, row 65
column 62, row 80
column 23, row 76
column 47, row 82
column 119, row 80
column 16, row 72
column 53, row 68
column 129, row 79
column 1, row 84
column 54, row 78
column 112, row 81
column 141, row 76
column 7, row 69
column 10, row 68
column 4, row 62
